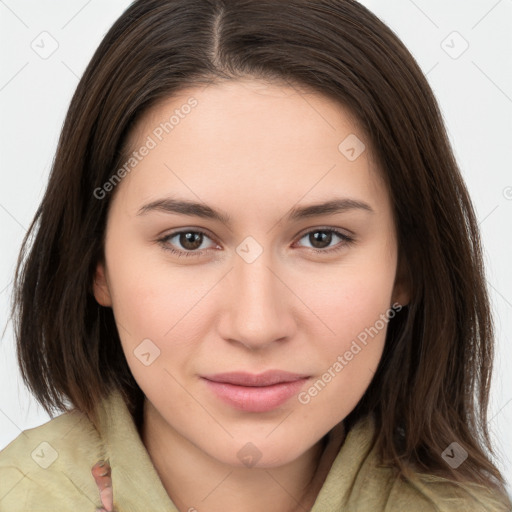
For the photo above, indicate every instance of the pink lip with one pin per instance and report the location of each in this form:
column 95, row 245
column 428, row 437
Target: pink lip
column 255, row 393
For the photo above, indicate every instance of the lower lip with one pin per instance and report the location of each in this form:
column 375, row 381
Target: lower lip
column 254, row 398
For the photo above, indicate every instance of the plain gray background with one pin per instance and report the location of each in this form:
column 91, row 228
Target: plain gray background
column 464, row 47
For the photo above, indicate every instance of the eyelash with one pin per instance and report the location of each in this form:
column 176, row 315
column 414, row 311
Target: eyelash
column 346, row 241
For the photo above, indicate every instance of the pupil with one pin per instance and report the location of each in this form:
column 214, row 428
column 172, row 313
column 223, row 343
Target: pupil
column 187, row 240
column 322, row 237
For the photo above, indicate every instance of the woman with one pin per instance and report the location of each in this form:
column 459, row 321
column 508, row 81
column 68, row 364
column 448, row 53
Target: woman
column 255, row 276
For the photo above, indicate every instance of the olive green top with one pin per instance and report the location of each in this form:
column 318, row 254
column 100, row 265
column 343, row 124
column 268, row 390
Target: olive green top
column 48, row 468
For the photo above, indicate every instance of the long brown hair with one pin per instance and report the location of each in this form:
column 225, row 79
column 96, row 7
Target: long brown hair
column 432, row 385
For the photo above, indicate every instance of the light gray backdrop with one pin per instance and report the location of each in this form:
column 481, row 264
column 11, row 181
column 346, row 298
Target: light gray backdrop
column 464, row 47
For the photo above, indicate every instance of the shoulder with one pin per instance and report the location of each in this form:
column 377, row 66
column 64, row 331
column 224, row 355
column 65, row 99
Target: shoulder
column 442, row 495
column 379, row 487
column 48, row 467
column 381, row 490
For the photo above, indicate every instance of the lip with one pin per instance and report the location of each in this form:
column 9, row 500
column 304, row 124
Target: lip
column 267, row 378
column 255, row 392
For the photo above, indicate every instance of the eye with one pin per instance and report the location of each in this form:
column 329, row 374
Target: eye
column 191, row 241
column 320, row 240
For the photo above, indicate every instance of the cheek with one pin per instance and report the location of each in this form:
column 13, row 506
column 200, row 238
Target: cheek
column 158, row 311
column 148, row 297
column 143, row 302
column 356, row 307
column 148, row 302
column 352, row 296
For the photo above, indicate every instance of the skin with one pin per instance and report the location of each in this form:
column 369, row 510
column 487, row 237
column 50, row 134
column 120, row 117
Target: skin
column 253, row 150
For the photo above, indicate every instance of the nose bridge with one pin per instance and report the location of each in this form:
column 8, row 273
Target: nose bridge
column 257, row 310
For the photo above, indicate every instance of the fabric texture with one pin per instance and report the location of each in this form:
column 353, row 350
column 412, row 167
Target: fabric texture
column 49, row 468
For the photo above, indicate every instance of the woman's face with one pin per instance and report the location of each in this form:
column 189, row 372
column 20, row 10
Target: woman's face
column 260, row 279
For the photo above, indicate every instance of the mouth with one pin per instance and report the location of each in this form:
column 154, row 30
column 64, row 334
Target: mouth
column 255, row 392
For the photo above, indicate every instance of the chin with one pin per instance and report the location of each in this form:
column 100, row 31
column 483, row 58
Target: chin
column 261, row 455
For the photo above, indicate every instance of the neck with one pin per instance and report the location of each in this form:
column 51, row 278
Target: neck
column 196, row 481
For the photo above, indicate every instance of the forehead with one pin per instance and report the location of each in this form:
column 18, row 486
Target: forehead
column 262, row 110
column 250, row 140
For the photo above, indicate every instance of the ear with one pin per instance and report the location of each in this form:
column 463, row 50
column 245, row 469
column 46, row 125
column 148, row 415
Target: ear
column 100, row 286
column 402, row 286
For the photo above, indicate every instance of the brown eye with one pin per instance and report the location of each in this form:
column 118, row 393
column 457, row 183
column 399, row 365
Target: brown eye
column 190, row 240
column 321, row 240
column 186, row 243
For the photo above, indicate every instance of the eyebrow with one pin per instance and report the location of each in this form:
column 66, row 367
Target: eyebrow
column 194, row 209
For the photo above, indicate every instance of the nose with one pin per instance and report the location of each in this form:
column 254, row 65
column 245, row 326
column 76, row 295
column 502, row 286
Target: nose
column 259, row 306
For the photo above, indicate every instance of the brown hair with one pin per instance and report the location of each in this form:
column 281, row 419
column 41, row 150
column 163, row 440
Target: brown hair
column 432, row 385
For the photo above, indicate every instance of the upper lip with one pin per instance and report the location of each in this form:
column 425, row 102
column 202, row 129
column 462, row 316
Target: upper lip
column 250, row 379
